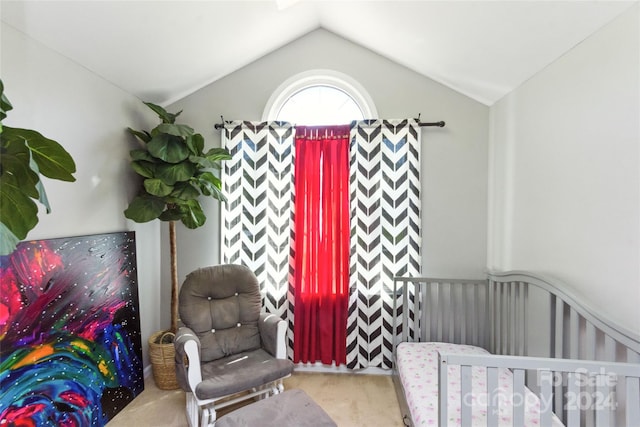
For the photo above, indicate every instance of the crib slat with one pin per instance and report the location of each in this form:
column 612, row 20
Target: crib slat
column 451, row 312
column 405, row 309
column 475, row 321
column 523, row 318
column 518, row 390
column 508, row 319
column 609, row 348
column 633, row 401
column 590, row 341
column 574, row 333
column 503, row 320
column 552, row 325
column 489, row 335
column 573, row 410
column 464, row 309
column 513, row 307
column 497, row 319
column 559, row 328
column 439, row 310
column 425, row 309
column 454, row 313
column 546, row 396
column 506, row 334
column 603, row 413
column 558, row 321
column 512, row 317
column 444, row 391
column 465, row 392
column 492, row 397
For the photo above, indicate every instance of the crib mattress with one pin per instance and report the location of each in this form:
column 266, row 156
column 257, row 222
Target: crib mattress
column 417, row 365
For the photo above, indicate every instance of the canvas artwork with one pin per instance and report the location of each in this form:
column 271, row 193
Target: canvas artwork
column 70, row 346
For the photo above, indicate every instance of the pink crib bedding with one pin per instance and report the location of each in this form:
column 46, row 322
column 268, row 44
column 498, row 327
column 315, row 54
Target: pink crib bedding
column 417, row 365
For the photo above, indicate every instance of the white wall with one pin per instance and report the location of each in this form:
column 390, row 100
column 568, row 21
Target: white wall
column 565, row 172
column 454, row 158
column 88, row 116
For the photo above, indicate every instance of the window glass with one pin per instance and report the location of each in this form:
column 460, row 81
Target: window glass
column 320, row 97
column 320, row 105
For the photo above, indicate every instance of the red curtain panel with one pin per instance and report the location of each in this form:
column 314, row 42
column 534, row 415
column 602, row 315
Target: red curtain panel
column 321, row 246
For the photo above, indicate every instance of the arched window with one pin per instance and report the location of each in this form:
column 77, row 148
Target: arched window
column 320, row 97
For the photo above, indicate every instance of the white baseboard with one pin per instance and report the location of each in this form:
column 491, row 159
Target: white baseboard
column 332, row 369
column 147, row 372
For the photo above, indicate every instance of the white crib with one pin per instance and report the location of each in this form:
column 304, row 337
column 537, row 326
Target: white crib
column 512, row 349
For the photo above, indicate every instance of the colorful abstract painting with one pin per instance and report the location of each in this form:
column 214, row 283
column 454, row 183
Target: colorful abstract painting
column 70, row 347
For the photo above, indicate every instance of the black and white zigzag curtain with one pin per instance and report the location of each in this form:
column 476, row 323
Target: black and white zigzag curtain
column 385, row 221
column 385, row 232
column 256, row 217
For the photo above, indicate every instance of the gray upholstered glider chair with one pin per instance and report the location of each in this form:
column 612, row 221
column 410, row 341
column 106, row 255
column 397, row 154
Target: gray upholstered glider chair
column 226, row 350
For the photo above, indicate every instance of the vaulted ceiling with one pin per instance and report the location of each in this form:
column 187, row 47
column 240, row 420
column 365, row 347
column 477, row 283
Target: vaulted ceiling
column 164, row 50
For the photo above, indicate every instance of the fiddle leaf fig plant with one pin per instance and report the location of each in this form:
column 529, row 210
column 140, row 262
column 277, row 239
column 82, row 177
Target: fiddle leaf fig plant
column 25, row 155
column 175, row 172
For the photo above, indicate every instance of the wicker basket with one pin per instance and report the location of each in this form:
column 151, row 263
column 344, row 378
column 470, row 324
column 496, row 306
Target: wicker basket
column 163, row 361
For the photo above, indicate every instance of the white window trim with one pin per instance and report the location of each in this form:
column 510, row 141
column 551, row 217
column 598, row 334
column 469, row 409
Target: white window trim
column 311, row 78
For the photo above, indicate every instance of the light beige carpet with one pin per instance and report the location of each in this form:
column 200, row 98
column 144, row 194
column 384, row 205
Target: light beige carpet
column 351, row 400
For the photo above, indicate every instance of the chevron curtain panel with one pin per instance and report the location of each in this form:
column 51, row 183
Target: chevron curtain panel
column 385, row 222
column 256, row 219
column 385, row 232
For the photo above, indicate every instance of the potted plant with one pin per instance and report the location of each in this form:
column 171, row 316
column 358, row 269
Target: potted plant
column 24, row 155
column 176, row 171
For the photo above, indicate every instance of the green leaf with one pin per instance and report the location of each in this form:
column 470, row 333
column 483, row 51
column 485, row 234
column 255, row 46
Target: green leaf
column 210, row 185
column 218, row 154
column 203, row 162
column 42, row 194
column 52, row 159
column 156, row 187
column 143, row 168
column 141, row 154
column 182, row 131
column 172, row 173
column 144, row 209
column 5, row 105
column 171, row 215
column 192, row 214
column 16, row 161
column 196, row 144
column 185, row 191
column 19, row 212
column 25, row 156
column 168, row 148
column 212, row 158
column 162, row 113
column 8, row 241
column 143, row 136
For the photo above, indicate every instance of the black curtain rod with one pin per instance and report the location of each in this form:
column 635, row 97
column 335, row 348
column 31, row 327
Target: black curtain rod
column 439, row 124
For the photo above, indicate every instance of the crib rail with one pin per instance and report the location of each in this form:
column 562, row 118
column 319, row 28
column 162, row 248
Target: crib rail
column 517, row 314
column 592, row 393
column 497, row 313
column 444, row 310
column 575, row 330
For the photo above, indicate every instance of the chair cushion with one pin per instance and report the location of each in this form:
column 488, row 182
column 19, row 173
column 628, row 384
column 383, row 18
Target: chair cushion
column 221, row 304
column 240, row 372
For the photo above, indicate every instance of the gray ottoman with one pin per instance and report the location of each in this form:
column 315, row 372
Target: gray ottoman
column 293, row 408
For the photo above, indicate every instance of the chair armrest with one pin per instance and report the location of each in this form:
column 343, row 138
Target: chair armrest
column 187, row 346
column 272, row 333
